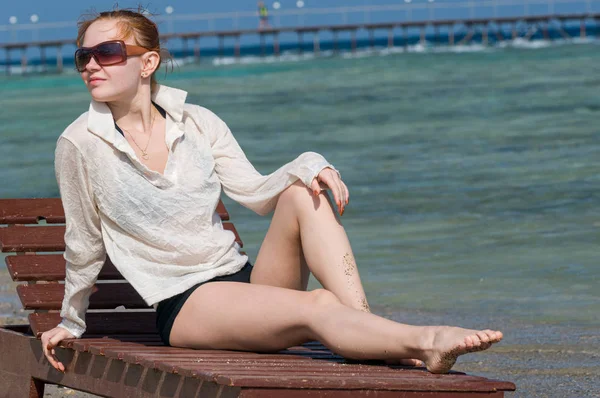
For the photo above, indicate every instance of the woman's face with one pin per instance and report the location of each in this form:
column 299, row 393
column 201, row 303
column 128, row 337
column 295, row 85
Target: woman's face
column 112, row 82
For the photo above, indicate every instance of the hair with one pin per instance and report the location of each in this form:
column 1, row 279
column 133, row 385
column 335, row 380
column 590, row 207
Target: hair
column 131, row 23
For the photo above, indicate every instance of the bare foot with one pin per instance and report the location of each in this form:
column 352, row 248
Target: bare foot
column 451, row 342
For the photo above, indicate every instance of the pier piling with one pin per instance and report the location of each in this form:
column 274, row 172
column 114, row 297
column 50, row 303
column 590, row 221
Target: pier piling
column 484, row 35
column 197, row 49
column 276, row 44
column 300, row 42
column 238, row 47
column 59, row 59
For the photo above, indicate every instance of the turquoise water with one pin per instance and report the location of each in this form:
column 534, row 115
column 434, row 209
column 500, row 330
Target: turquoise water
column 473, row 176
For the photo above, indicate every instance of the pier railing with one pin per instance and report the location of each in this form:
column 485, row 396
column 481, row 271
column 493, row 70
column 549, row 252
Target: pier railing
column 498, row 29
column 404, row 11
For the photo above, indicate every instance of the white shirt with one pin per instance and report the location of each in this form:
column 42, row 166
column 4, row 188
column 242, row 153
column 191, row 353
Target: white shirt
column 160, row 231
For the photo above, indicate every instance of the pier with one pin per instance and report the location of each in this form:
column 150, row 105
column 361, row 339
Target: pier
column 486, row 29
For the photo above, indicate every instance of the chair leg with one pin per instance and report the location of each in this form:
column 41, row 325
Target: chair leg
column 36, row 388
column 13, row 386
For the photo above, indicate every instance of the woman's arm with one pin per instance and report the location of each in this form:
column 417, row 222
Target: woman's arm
column 84, row 252
column 242, row 182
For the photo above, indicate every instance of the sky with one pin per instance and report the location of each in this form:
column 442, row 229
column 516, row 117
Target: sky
column 70, row 10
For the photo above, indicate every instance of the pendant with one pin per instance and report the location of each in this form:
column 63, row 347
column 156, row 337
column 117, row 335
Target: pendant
column 145, row 156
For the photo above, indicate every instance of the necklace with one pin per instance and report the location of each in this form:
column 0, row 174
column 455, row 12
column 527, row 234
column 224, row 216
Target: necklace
column 144, row 151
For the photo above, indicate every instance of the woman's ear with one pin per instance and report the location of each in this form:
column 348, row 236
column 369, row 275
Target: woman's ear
column 150, row 62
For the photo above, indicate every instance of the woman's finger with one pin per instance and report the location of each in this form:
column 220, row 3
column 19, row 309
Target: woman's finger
column 53, row 342
column 342, row 192
column 346, row 192
column 44, row 344
column 332, row 180
column 315, row 186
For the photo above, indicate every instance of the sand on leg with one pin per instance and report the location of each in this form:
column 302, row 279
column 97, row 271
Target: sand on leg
column 305, row 236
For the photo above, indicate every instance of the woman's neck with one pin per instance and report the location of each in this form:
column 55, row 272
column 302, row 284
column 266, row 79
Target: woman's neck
column 134, row 115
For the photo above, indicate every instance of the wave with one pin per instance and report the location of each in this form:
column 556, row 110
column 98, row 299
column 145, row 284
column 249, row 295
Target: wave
column 418, row 48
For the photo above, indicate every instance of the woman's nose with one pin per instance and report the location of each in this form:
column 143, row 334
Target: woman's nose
column 92, row 65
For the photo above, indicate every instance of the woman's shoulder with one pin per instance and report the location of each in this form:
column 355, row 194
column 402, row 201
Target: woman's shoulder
column 207, row 121
column 76, row 131
column 201, row 114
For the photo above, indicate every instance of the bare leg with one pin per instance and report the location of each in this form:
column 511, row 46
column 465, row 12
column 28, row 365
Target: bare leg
column 306, row 235
column 242, row 316
column 303, row 223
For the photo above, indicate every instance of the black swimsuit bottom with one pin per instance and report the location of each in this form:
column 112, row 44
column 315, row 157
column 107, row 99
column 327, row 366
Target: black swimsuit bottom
column 169, row 308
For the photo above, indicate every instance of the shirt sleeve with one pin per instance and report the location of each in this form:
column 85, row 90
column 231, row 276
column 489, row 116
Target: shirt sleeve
column 243, row 183
column 84, row 253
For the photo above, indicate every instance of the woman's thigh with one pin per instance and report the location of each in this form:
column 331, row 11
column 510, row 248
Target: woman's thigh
column 243, row 316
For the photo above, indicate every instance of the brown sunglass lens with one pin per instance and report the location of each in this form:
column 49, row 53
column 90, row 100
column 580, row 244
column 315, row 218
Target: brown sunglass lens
column 105, row 54
column 109, row 53
column 82, row 57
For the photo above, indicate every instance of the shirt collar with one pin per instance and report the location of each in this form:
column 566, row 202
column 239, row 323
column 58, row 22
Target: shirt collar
column 101, row 122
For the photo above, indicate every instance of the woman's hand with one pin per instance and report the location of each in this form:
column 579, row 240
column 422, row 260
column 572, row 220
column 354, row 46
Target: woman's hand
column 331, row 179
column 50, row 339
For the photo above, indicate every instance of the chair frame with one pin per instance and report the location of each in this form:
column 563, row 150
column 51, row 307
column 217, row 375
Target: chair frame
column 121, row 354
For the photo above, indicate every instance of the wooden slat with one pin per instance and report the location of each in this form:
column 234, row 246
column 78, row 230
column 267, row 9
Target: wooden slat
column 106, row 323
column 399, row 381
column 130, row 338
column 50, row 238
column 49, row 296
column 29, row 211
column 83, row 344
column 30, row 239
column 49, row 267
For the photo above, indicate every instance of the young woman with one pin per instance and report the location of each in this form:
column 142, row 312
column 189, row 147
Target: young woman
column 140, row 175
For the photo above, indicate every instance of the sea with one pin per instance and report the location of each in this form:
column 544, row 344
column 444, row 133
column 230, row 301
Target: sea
column 474, row 179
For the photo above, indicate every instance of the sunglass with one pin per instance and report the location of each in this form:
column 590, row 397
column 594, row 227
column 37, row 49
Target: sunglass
column 106, row 53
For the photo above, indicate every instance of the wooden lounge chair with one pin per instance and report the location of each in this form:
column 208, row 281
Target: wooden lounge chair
column 121, row 355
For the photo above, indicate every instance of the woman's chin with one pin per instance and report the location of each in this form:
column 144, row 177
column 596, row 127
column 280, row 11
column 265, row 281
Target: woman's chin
column 99, row 95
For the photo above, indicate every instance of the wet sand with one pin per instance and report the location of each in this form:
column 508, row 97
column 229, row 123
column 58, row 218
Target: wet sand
column 543, row 360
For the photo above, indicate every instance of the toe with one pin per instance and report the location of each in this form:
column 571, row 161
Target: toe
column 493, row 336
column 496, row 335
column 469, row 342
column 483, row 336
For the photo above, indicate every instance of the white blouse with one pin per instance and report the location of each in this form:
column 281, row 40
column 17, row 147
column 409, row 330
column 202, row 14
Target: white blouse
column 161, row 231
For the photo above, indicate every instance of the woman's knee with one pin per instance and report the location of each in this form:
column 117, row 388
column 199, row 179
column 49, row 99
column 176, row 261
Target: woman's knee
column 300, row 197
column 294, row 191
column 321, row 305
column 322, row 298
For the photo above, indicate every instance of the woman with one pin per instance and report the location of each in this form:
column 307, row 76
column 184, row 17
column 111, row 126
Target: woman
column 140, row 175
